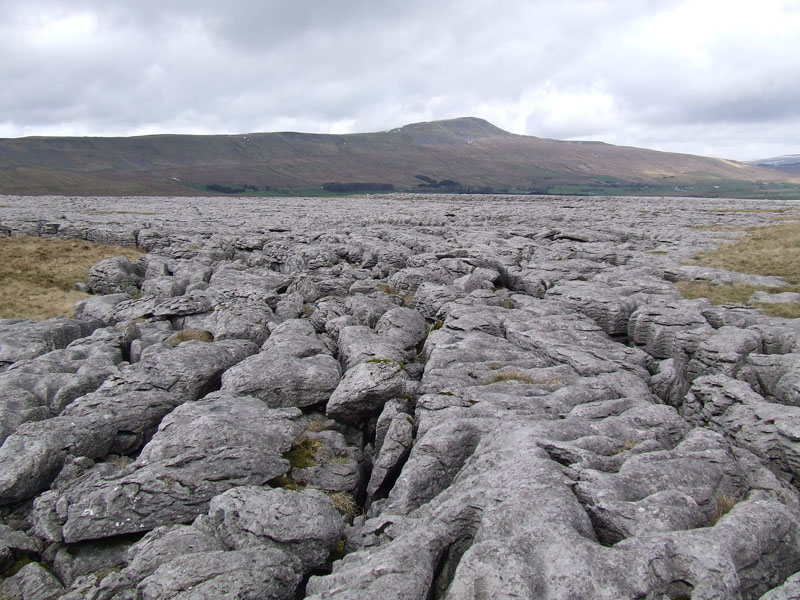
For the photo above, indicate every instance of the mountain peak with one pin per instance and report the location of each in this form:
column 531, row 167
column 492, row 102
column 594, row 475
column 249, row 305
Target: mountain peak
column 450, row 131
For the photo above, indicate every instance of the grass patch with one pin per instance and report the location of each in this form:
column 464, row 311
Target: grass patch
column 186, row 335
column 338, row 551
column 738, row 293
column 286, row 482
column 302, row 453
column 773, row 250
column 787, row 310
column 386, row 288
column 521, row 377
column 38, row 275
column 718, row 228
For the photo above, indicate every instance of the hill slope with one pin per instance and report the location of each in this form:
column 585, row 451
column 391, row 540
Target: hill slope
column 466, row 153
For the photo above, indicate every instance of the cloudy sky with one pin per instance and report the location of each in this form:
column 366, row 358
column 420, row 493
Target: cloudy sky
column 711, row 77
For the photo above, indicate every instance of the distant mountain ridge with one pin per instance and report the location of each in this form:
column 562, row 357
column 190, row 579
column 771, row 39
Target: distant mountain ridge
column 465, row 154
column 777, row 161
column 788, row 164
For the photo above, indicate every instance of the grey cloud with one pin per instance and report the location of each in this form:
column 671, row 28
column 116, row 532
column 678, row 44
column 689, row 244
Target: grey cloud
column 572, row 69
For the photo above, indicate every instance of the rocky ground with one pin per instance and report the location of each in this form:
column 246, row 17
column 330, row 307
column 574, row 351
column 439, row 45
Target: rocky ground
column 399, row 397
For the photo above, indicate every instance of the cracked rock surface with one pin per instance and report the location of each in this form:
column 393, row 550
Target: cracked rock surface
column 416, row 397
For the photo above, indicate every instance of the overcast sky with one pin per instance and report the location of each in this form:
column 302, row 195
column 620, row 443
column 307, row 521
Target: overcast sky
column 712, row 77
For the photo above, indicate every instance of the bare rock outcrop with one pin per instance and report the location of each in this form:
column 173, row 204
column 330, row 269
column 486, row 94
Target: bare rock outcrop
column 401, row 397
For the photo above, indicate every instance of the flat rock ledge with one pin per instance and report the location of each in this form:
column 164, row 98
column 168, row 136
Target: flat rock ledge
column 403, row 396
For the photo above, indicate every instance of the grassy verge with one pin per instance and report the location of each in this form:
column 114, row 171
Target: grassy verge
column 38, row 275
column 772, row 250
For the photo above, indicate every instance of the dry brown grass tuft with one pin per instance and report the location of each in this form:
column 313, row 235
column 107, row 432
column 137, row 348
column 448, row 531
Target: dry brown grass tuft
column 724, row 505
column 522, row 377
column 38, row 275
column 119, row 461
column 186, row 335
column 316, row 422
column 628, row 445
column 345, row 503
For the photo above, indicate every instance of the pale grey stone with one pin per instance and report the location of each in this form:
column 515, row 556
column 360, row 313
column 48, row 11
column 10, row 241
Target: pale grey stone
column 116, row 275
column 303, row 524
column 365, row 388
column 251, row 574
column 201, row 449
column 32, row 582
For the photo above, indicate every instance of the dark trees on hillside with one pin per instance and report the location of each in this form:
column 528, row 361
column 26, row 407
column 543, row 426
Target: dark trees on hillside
column 348, row 188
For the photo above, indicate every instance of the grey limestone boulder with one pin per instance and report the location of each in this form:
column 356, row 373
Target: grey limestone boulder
column 729, row 406
column 290, row 306
column 294, row 368
column 337, row 465
column 358, row 343
column 431, row 297
column 775, row 376
column 38, row 388
column 609, row 307
column 405, row 326
column 165, row 286
column 15, row 543
column 303, row 524
column 325, row 310
column 365, row 388
column 21, row 339
column 779, row 298
column 72, row 563
column 369, row 308
column 31, row 458
column 233, row 320
column 101, row 308
column 164, row 543
column 116, row 275
column 789, row 590
column 143, row 393
column 200, row 450
column 32, row 582
column 252, row 574
column 724, row 352
column 192, row 303
column 656, row 327
column 668, row 490
column 394, row 447
column 720, row 276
